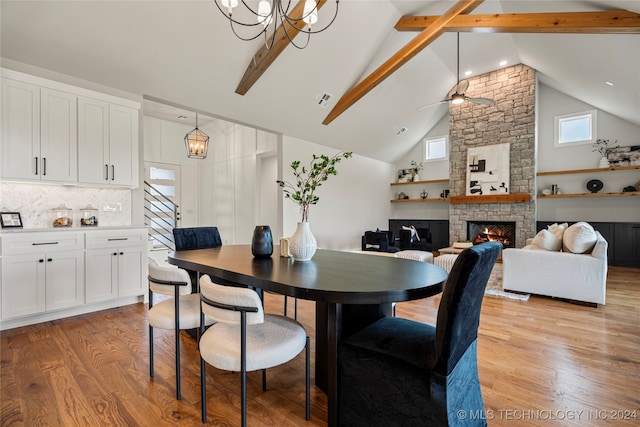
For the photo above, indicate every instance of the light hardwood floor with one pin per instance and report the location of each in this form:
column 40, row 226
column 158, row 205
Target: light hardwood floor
column 541, row 362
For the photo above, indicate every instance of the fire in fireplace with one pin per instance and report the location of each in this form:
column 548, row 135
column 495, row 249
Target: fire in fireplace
column 494, row 231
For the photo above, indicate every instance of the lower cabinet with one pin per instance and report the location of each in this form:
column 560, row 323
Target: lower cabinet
column 115, row 262
column 36, row 280
column 45, row 272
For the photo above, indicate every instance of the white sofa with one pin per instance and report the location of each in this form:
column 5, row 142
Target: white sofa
column 560, row 274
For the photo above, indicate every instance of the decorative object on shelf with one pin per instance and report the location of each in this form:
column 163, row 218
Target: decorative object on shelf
column 62, row 216
column 594, row 185
column 546, row 191
column 629, row 189
column 89, row 216
column 273, row 15
column 10, row 220
column 307, row 180
column 602, row 147
column 624, row 156
column 444, row 194
column 637, row 186
column 262, row 242
column 405, row 175
column 554, row 188
column 415, row 169
column 424, row 194
column 402, row 196
column 197, row 143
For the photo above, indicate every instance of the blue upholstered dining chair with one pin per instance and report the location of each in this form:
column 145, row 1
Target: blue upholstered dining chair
column 189, row 238
column 398, row 372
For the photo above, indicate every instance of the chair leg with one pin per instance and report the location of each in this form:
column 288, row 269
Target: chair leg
column 151, row 351
column 286, row 301
column 243, row 386
column 177, row 328
column 203, row 391
column 307, row 381
column 295, row 308
column 264, row 380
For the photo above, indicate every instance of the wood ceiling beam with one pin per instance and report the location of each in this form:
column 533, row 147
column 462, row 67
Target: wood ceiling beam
column 411, row 49
column 602, row 22
column 263, row 59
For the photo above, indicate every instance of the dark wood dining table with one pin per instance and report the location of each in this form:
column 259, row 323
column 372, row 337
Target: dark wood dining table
column 351, row 290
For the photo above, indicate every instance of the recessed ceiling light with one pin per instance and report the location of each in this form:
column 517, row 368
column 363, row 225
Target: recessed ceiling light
column 503, row 62
column 609, row 83
column 467, row 73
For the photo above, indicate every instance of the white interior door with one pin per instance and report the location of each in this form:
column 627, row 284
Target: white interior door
column 164, row 200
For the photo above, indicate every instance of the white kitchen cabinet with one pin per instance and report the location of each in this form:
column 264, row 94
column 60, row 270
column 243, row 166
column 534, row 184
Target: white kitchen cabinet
column 41, row 272
column 107, row 143
column 39, row 133
column 115, row 264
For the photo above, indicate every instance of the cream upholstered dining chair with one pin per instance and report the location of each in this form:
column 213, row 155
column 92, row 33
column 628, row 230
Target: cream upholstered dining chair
column 180, row 311
column 244, row 338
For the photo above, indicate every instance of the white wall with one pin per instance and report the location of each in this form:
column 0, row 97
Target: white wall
column 437, row 169
column 350, row 202
column 553, row 103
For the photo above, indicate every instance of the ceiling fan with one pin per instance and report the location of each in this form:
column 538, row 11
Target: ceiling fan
column 458, row 97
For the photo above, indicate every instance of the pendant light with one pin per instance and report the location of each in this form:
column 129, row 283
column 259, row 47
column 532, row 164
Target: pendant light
column 197, row 143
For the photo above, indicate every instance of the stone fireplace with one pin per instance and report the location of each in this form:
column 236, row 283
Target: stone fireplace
column 511, row 120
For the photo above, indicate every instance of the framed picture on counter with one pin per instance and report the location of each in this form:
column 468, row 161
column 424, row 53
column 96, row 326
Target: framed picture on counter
column 10, row 220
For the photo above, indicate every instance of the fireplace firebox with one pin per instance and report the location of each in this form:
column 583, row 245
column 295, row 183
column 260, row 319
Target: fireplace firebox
column 492, row 231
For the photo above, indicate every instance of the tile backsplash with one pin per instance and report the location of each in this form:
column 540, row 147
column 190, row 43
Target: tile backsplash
column 35, row 202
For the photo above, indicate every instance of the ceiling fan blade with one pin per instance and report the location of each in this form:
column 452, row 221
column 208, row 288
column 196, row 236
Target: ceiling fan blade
column 432, row 105
column 482, row 101
column 462, row 87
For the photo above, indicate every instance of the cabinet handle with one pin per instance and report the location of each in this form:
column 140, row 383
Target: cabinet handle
column 44, row 243
column 117, row 238
column 106, row 172
column 115, row 253
column 113, row 172
column 121, row 253
column 36, row 159
column 49, row 259
column 40, row 260
column 44, row 166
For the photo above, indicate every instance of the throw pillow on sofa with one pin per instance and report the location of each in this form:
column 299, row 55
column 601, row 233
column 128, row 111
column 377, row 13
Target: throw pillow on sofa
column 579, row 238
column 547, row 240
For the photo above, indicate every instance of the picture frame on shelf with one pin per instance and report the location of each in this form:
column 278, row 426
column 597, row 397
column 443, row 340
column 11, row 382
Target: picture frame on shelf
column 10, row 220
column 405, row 175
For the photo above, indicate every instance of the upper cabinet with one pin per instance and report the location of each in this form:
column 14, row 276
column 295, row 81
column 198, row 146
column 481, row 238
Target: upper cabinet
column 59, row 133
column 107, row 143
column 39, row 133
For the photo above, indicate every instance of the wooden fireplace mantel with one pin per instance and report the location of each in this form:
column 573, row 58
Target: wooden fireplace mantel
column 491, row 198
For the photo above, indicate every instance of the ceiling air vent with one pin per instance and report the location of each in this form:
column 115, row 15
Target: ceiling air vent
column 323, row 100
column 401, row 130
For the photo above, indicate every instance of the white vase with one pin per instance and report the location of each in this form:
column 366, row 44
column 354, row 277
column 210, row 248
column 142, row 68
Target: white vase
column 604, row 163
column 302, row 244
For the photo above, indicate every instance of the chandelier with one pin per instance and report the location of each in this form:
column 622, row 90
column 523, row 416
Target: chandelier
column 270, row 14
column 197, row 143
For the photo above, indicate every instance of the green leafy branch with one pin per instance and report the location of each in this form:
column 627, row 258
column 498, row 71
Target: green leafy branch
column 308, row 179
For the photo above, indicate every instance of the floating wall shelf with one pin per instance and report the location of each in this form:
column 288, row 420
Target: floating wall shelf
column 491, row 198
column 430, row 181
column 609, row 169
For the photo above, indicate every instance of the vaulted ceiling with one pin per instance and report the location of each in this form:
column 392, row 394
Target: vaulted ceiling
column 184, row 52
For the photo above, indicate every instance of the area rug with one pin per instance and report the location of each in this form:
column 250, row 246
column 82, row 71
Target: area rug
column 494, row 286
